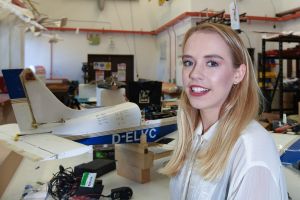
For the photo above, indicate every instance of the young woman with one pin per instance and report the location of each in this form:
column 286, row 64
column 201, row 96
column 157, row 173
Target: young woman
column 222, row 152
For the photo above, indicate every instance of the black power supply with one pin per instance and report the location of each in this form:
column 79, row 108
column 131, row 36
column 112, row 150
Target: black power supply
column 122, row 193
column 99, row 166
column 94, row 192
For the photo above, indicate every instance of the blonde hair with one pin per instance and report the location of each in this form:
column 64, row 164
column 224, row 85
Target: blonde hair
column 240, row 107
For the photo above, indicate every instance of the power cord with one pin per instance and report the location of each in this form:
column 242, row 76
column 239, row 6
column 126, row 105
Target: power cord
column 63, row 184
column 250, row 46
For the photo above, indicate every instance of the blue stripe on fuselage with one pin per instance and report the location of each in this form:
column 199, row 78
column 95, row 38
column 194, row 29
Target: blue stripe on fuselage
column 13, row 83
column 153, row 134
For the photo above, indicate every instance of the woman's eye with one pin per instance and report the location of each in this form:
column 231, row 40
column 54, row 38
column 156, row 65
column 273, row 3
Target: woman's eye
column 187, row 63
column 212, row 64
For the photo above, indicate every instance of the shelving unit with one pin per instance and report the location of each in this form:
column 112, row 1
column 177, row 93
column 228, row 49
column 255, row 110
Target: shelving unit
column 280, row 55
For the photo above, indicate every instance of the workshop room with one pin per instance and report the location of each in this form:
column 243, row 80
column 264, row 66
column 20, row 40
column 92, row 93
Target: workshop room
column 149, row 99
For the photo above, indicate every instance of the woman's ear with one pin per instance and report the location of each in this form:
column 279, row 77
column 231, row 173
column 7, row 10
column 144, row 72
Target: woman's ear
column 239, row 74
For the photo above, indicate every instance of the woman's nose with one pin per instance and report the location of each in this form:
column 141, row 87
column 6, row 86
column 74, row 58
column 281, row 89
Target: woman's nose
column 197, row 72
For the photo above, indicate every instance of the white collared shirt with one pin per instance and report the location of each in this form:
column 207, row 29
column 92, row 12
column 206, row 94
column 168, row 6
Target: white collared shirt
column 253, row 170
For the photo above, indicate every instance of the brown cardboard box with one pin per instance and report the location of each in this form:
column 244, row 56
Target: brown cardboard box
column 7, row 169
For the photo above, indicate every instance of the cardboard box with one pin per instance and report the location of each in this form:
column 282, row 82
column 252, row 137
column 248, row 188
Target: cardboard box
column 7, row 169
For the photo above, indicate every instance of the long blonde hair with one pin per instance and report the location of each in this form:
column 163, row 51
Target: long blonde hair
column 240, row 107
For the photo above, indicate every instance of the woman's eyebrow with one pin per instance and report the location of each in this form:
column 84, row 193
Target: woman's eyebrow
column 206, row 56
column 186, row 56
column 213, row 56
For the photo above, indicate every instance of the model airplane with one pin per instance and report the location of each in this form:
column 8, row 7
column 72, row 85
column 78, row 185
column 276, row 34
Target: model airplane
column 25, row 10
column 45, row 124
column 21, row 12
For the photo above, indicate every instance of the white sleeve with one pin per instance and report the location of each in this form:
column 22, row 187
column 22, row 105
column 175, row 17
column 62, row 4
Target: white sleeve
column 259, row 184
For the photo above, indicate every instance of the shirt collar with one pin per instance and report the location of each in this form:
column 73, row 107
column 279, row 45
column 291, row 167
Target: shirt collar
column 209, row 133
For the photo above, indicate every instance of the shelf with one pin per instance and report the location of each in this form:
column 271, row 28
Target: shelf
column 284, row 38
column 287, row 110
column 284, row 90
column 283, row 57
column 291, row 90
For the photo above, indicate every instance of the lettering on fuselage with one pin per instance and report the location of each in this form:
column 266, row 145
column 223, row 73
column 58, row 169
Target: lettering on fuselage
column 133, row 136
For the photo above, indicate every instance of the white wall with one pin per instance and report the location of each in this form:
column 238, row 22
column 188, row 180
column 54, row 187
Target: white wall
column 11, row 40
column 170, row 67
column 251, row 7
column 120, row 14
column 156, row 57
column 292, row 25
column 287, row 5
column 69, row 53
column 171, row 9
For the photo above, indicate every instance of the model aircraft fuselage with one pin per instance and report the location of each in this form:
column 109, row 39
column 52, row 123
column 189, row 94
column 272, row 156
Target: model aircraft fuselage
column 39, row 112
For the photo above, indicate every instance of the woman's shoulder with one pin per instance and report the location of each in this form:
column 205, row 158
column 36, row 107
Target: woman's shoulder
column 256, row 146
column 255, row 135
column 254, row 150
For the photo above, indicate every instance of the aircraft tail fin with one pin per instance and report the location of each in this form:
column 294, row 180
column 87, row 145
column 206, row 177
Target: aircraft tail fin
column 33, row 102
column 46, row 108
column 18, row 98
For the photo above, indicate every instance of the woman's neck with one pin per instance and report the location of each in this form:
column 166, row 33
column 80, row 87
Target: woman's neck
column 207, row 126
column 208, row 120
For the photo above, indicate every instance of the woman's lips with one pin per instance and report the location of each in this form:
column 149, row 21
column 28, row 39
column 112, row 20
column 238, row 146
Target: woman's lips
column 196, row 90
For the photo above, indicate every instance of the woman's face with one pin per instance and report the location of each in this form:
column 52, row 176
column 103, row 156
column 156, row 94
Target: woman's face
column 208, row 73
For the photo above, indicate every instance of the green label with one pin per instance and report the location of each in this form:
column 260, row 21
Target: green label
column 88, row 179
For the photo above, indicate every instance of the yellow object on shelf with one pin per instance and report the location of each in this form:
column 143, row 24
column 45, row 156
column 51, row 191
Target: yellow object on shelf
column 268, row 85
column 268, row 74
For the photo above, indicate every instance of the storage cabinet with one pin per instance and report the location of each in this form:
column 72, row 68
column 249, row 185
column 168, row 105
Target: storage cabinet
column 279, row 55
column 114, row 61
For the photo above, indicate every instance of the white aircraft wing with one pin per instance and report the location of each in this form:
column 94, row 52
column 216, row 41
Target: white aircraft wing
column 289, row 147
column 39, row 147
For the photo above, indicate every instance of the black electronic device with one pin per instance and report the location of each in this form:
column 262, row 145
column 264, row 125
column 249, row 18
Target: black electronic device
column 92, row 192
column 99, row 166
column 122, row 193
column 145, row 93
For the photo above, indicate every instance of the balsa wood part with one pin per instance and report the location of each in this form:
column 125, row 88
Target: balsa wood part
column 8, row 169
column 133, row 173
column 134, row 161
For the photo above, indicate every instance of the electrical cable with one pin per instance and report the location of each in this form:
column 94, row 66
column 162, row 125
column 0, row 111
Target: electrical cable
column 175, row 54
column 134, row 41
column 126, row 38
column 170, row 56
column 120, row 21
column 63, row 184
column 247, row 38
column 272, row 2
